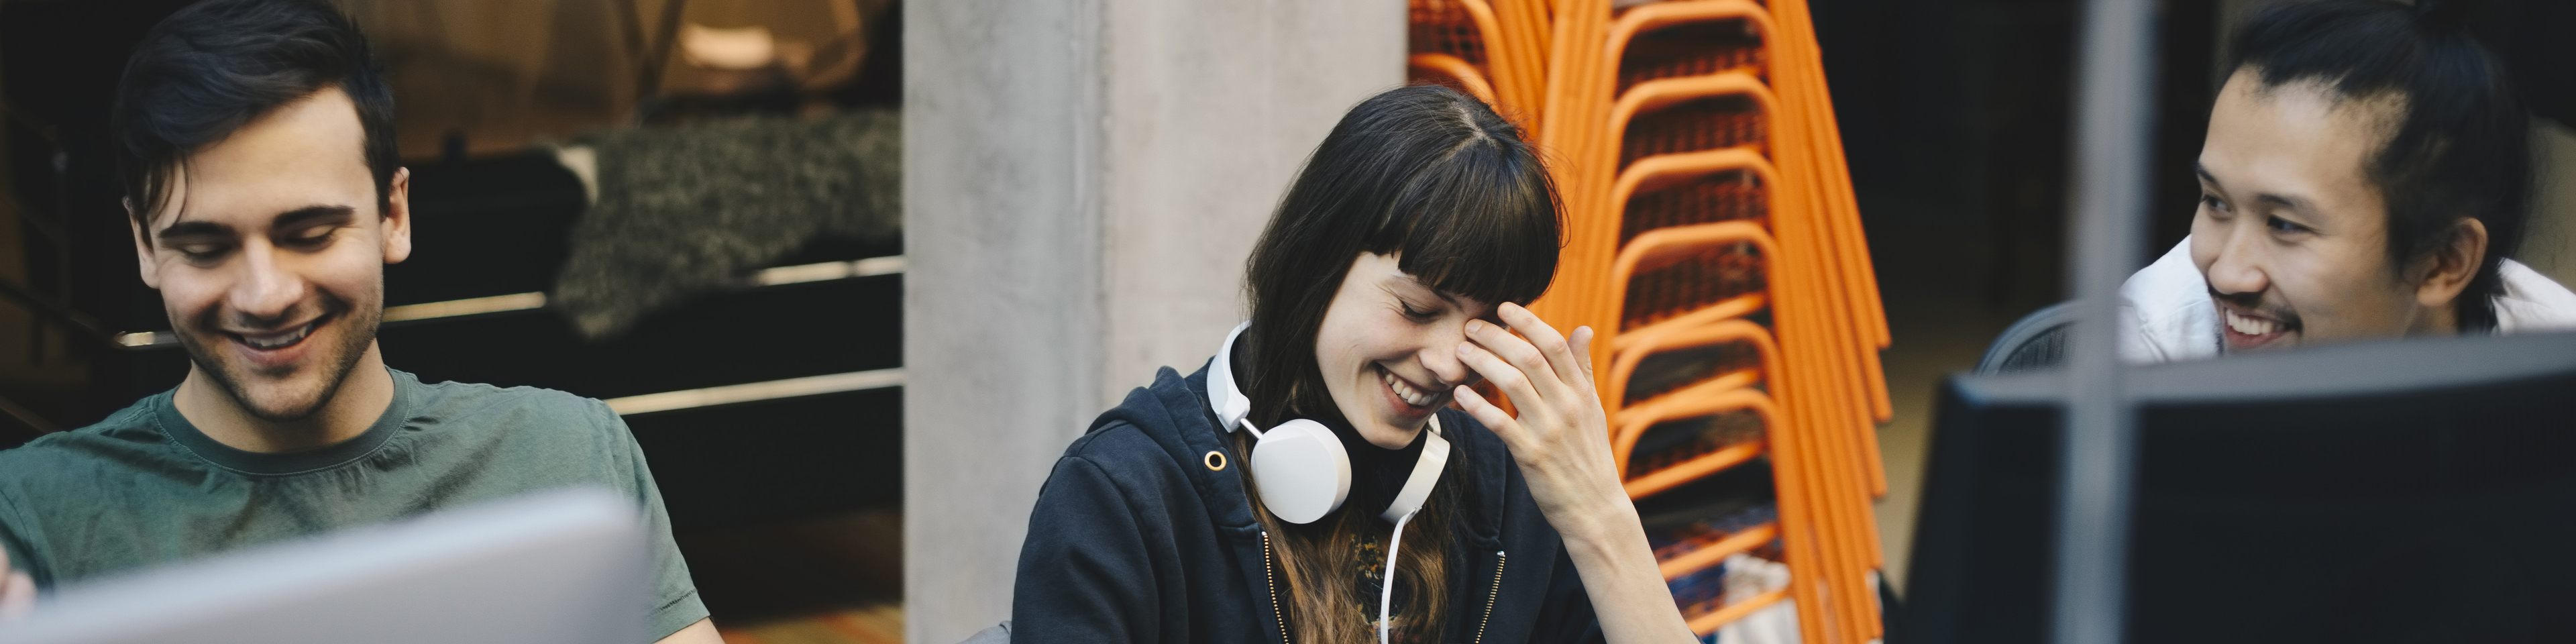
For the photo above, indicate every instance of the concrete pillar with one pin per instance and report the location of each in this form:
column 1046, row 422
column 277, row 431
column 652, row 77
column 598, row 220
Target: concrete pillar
column 1082, row 181
column 1002, row 288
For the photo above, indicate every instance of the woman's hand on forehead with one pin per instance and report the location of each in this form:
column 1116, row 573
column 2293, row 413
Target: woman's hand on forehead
column 1561, row 437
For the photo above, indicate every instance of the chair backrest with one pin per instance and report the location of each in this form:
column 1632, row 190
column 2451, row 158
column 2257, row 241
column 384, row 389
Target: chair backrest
column 997, row 634
column 2037, row 341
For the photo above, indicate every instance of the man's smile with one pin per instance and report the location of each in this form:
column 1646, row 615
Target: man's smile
column 2246, row 330
column 276, row 340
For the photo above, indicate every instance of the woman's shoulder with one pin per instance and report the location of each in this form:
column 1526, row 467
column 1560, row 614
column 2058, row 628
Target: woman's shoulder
column 1158, row 428
column 1119, row 445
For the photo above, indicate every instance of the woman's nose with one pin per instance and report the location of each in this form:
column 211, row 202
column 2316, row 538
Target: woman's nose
column 1440, row 355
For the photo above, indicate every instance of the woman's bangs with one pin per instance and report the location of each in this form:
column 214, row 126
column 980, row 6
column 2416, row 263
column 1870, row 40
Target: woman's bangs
column 1487, row 229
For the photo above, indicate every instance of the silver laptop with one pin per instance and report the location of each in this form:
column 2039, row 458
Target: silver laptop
column 565, row 567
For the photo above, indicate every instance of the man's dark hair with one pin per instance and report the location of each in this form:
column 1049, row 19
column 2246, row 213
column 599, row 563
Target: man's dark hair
column 212, row 67
column 2461, row 148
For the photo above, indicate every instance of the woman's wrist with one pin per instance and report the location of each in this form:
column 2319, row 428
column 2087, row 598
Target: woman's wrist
column 1605, row 520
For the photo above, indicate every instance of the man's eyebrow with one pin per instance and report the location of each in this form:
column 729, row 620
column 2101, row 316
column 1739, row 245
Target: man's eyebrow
column 309, row 214
column 2286, row 201
column 195, row 229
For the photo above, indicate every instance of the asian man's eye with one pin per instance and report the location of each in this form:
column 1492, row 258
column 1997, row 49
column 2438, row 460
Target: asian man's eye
column 2284, row 226
column 2212, row 203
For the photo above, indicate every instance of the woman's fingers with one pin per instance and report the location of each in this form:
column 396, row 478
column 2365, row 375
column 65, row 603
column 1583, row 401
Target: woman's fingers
column 1583, row 350
column 1561, row 359
column 1500, row 342
column 1502, row 424
column 1513, row 381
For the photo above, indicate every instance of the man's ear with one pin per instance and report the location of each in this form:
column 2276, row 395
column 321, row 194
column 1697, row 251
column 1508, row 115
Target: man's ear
column 142, row 246
column 2450, row 267
column 398, row 217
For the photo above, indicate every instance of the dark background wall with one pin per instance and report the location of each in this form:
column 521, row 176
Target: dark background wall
column 1954, row 116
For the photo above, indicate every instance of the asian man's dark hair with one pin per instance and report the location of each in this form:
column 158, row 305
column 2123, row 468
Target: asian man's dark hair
column 2460, row 149
column 215, row 66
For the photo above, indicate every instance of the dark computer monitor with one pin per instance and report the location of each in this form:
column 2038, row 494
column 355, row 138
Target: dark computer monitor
column 2403, row 491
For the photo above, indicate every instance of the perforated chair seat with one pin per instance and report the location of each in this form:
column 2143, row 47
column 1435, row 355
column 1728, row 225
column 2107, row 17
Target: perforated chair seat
column 2036, row 341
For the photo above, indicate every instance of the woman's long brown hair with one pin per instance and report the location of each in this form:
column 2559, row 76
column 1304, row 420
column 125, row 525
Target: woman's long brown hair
column 1324, row 603
column 1439, row 180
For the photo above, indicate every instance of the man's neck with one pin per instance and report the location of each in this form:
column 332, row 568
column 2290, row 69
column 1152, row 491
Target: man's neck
column 2435, row 320
column 361, row 400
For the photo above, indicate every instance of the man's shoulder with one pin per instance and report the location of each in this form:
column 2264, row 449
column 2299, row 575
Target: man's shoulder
column 2532, row 302
column 459, row 400
column 129, row 438
column 533, row 422
column 2165, row 314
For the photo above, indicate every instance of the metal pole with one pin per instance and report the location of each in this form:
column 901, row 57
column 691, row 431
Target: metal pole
column 2114, row 117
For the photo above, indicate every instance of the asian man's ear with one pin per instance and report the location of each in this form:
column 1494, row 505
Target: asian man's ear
column 2448, row 270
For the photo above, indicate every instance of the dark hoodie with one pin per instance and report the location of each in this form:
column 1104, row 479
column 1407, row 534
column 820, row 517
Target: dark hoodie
column 1135, row 539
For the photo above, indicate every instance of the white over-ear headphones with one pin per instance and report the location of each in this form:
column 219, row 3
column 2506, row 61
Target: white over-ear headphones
column 1303, row 474
column 1300, row 466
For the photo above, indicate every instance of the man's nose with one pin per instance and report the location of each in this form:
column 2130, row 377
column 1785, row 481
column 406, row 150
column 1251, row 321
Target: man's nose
column 267, row 288
column 2239, row 268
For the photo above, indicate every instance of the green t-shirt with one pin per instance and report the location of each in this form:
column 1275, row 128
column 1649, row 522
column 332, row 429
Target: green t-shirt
column 145, row 487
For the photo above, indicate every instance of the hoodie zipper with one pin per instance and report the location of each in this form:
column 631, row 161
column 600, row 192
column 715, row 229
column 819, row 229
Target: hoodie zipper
column 1271, row 579
column 1491, row 598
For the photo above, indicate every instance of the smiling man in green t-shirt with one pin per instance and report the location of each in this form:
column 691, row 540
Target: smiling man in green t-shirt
column 255, row 141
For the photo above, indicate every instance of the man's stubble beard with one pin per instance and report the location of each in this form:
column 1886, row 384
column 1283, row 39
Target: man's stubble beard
column 360, row 322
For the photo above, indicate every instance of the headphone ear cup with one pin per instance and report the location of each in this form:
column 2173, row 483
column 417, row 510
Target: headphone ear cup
column 1301, row 470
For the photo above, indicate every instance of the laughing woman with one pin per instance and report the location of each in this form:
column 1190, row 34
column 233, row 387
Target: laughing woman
column 1264, row 497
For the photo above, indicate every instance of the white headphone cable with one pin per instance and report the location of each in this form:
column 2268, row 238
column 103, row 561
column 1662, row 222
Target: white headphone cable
column 1386, row 585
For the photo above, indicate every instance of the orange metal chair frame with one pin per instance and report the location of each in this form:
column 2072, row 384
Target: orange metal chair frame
column 1455, row 68
column 1702, row 557
column 1664, row 14
column 1822, row 296
column 1624, row 438
column 1624, row 366
column 1663, row 168
column 1659, row 244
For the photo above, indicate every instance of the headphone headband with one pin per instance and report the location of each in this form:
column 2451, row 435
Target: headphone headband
column 1224, row 397
column 1426, row 473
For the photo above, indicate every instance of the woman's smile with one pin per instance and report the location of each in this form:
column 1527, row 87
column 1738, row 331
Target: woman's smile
column 1410, row 400
column 1395, row 340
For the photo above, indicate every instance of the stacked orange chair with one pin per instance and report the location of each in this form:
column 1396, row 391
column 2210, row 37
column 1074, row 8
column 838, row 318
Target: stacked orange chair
column 1712, row 235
